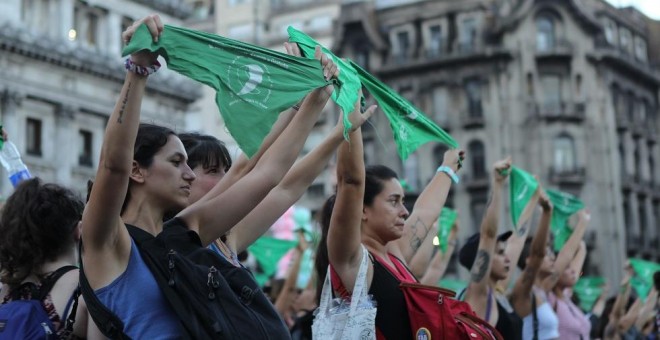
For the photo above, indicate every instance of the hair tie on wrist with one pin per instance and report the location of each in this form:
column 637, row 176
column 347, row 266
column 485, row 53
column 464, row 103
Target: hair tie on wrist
column 141, row 70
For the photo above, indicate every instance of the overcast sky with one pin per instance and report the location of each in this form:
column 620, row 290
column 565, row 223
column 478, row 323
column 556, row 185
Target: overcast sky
column 648, row 7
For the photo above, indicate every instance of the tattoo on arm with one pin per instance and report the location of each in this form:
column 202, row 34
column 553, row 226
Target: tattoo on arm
column 523, row 228
column 480, row 265
column 123, row 104
column 416, row 240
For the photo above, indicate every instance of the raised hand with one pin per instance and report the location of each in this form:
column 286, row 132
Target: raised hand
column 357, row 117
column 292, row 49
column 155, row 25
column 501, row 169
column 453, row 159
column 544, row 200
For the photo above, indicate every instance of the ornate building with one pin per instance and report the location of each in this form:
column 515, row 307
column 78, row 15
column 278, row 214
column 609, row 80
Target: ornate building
column 570, row 89
column 61, row 73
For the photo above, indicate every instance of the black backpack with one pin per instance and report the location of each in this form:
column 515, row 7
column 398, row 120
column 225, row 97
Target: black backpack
column 212, row 298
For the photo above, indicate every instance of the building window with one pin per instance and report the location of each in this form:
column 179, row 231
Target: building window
column 435, row 41
column 402, row 44
column 640, row 49
column 468, row 37
column 85, row 155
column 362, row 58
column 641, row 205
column 411, row 172
column 637, row 155
column 652, row 172
column 610, row 32
column 642, row 112
column 33, row 134
column 545, row 33
column 440, row 105
column 473, row 94
column 477, row 154
column 625, row 40
column 630, row 106
column 320, row 23
column 564, row 153
column 86, row 22
column 622, row 156
column 551, row 88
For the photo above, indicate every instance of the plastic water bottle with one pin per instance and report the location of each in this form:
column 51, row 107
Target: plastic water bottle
column 11, row 161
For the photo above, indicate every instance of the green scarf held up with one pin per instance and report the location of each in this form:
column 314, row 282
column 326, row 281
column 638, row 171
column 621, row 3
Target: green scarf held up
column 588, row 289
column 445, row 222
column 565, row 205
column 269, row 251
column 642, row 281
column 348, row 96
column 410, row 127
column 522, row 188
column 253, row 84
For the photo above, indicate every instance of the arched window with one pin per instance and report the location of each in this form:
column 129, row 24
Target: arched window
column 545, row 32
column 477, row 154
column 564, row 153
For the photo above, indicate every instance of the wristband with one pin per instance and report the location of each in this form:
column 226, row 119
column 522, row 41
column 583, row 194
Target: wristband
column 449, row 173
column 141, row 70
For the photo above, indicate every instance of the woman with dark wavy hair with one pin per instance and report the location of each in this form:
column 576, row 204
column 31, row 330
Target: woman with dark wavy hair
column 40, row 228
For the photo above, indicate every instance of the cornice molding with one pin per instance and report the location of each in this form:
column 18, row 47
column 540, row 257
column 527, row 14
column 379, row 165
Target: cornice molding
column 88, row 61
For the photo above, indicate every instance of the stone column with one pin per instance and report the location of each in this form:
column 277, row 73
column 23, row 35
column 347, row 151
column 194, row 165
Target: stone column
column 112, row 33
column 65, row 22
column 65, row 139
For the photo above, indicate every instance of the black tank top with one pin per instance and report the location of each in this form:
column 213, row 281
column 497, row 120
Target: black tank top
column 509, row 324
column 392, row 315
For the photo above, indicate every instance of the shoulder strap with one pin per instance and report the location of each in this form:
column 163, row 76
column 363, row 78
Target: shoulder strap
column 50, row 280
column 71, row 310
column 535, row 318
column 107, row 322
column 489, row 303
column 138, row 235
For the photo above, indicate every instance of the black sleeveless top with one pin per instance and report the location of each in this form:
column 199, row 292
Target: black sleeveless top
column 509, row 324
column 392, row 315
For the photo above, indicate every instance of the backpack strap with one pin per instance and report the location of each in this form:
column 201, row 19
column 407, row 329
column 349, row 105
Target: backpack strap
column 107, row 322
column 50, row 280
column 535, row 318
column 71, row 310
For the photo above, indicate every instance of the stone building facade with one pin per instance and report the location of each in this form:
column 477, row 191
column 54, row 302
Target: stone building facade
column 61, row 73
column 569, row 89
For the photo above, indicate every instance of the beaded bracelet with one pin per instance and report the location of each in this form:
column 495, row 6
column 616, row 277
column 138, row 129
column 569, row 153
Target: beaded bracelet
column 141, row 70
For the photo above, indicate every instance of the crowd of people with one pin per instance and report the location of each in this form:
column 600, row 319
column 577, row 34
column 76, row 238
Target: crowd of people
column 157, row 247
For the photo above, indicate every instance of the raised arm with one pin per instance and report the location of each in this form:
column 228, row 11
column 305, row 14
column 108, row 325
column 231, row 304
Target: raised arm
column 292, row 187
column 567, row 253
column 426, row 209
column 283, row 302
column 422, row 258
column 648, row 311
column 438, row 265
column 344, row 238
column 214, row 217
column 477, row 291
column 516, row 242
column 104, row 235
column 521, row 295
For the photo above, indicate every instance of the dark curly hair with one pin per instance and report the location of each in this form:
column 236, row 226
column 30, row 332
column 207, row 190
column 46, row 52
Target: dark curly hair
column 36, row 227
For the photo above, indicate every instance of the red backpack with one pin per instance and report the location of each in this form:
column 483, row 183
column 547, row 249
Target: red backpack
column 434, row 314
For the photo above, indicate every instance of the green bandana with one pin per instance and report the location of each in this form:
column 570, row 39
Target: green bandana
column 253, row 84
column 643, row 279
column 588, row 289
column 348, row 78
column 565, row 205
column 410, row 127
column 445, row 222
column 269, row 251
column 453, row 285
column 522, row 188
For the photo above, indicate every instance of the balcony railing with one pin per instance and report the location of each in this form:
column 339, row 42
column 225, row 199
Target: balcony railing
column 475, row 182
column 472, row 121
column 558, row 49
column 575, row 176
column 560, row 110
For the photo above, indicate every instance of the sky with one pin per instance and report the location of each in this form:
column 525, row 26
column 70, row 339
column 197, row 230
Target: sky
column 649, row 7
